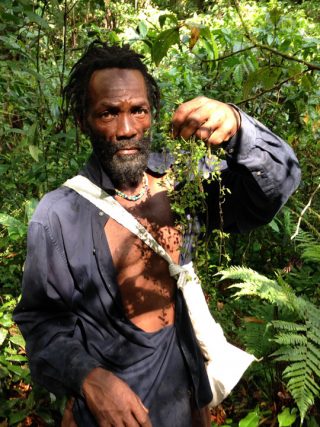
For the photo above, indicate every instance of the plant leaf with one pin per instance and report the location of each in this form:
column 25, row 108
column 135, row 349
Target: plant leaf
column 163, row 42
column 251, row 420
column 286, row 418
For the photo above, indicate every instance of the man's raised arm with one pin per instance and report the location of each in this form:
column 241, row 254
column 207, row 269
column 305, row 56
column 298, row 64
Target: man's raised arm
column 260, row 170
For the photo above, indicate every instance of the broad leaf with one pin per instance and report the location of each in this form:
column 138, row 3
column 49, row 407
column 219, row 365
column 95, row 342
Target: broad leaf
column 286, row 418
column 34, row 152
column 251, row 420
column 163, row 42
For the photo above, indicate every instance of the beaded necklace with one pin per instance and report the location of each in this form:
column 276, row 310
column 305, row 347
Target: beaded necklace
column 138, row 196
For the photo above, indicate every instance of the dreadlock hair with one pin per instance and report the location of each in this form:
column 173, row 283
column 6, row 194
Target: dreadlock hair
column 100, row 55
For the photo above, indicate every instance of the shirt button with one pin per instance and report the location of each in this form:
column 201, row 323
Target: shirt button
column 259, row 173
column 101, row 213
column 231, row 151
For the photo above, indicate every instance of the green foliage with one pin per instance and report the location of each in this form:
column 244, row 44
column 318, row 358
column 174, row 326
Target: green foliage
column 262, row 55
column 298, row 341
column 18, row 399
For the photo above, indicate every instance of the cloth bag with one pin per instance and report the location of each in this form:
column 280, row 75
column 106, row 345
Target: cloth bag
column 225, row 363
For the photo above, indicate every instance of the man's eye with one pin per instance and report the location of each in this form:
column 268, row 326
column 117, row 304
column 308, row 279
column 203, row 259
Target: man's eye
column 107, row 115
column 140, row 111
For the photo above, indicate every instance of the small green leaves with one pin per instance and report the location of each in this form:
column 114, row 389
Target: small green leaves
column 16, row 229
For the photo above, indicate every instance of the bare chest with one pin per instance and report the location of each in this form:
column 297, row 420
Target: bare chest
column 145, row 285
column 128, row 250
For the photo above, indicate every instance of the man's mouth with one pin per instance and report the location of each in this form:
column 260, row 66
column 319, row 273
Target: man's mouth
column 127, row 151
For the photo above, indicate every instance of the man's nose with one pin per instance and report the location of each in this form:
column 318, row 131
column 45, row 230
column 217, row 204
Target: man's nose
column 125, row 126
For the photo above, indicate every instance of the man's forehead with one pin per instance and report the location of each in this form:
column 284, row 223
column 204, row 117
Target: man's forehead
column 117, row 80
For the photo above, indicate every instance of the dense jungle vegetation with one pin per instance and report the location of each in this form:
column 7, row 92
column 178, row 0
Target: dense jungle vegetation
column 263, row 56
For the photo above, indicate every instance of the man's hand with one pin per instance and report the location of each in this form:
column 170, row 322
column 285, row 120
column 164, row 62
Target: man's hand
column 68, row 420
column 112, row 402
column 212, row 121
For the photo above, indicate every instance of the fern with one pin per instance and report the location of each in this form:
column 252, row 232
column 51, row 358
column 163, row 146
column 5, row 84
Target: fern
column 311, row 253
column 298, row 341
column 255, row 332
column 310, row 246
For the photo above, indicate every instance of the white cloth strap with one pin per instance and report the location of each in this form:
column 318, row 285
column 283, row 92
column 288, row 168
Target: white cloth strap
column 226, row 363
column 110, row 206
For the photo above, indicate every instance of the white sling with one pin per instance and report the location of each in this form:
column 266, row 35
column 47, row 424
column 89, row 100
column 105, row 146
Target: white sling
column 225, row 362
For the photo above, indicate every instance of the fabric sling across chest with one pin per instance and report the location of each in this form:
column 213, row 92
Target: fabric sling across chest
column 225, row 363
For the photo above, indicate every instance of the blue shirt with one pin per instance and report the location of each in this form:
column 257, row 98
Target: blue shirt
column 71, row 313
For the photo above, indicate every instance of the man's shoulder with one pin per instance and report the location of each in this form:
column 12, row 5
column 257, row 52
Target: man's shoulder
column 56, row 203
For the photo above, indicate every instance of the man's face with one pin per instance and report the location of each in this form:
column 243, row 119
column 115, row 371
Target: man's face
column 118, row 121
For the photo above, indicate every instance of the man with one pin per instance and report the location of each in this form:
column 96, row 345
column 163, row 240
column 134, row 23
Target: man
column 102, row 317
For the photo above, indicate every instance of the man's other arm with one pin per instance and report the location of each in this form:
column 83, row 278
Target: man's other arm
column 57, row 355
column 57, row 358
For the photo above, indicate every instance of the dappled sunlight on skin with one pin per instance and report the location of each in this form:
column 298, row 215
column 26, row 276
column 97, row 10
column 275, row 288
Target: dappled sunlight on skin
column 146, row 288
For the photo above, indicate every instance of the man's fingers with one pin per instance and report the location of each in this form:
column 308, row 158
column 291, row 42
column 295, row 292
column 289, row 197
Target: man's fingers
column 209, row 120
column 112, row 402
column 215, row 130
column 143, row 407
column 68, row 420
column 184, row 117
column 141, row 414
column 191, row 127
column 219, row 136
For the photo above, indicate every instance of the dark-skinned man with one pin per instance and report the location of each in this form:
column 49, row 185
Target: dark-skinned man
column 103, row 320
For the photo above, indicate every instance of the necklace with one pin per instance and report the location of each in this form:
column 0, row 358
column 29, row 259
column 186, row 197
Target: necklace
column 136, row 196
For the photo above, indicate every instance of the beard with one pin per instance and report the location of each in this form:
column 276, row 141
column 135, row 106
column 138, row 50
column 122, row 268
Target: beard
column 127, row 170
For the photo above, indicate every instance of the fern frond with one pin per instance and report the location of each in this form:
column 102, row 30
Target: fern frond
column 299, row 341
column 290, row 339
column 310, row 246
column 255, row 332
column 255, row 284
column 288, row 326
column 313, row 337
column 312, row 363
column 302, row 386
column 311, row 253
column 289, row 354
column 242, row 273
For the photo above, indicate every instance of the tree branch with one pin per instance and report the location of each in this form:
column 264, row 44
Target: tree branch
column 304, row 211
column 65, row 22
column 228, row 55
column 309, row 65
column 275, row 87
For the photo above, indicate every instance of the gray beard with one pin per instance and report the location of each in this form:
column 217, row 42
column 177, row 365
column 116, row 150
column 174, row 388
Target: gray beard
column 124, row 171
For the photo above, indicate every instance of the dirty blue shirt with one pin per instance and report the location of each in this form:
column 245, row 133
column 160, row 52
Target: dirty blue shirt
column 71, row 313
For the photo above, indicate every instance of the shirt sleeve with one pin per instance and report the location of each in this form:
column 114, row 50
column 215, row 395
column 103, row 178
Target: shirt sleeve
column 57, row 356
column 260, row 173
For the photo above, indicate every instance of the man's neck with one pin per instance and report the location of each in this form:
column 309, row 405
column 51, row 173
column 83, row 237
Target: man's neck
column 133, row 191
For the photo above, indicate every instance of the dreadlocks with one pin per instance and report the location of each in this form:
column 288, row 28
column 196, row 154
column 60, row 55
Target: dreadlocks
column 98, row 56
